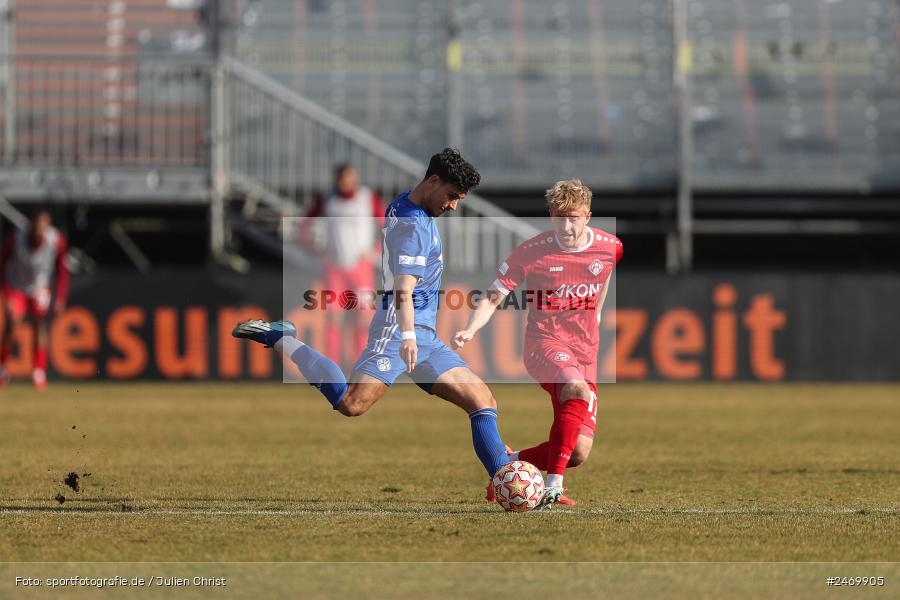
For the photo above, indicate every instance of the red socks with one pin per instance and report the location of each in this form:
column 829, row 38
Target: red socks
column 536, row 456
column 564, row 435
column 40, row 358
column 553, row 456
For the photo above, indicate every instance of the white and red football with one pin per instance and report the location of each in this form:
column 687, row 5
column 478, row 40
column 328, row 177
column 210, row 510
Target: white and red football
column 519, row 486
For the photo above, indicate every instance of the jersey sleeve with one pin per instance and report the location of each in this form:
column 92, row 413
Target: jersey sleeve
column 619, row 250
column 511, row 273
column 408, row 242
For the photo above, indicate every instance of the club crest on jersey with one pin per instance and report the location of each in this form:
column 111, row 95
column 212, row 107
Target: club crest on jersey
column 556, row 269
column 561, row 357
column 383, row 364
column 595, row 267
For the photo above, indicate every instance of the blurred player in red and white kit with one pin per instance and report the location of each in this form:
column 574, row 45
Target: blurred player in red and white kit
column 28, row 259
column 353, row 216
column 564, row 274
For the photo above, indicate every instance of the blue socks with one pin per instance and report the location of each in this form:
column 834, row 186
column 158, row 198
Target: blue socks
column 486, row 439
column 322, row 373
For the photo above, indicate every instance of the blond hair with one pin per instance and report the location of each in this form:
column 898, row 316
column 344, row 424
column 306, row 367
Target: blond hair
column 569, row 194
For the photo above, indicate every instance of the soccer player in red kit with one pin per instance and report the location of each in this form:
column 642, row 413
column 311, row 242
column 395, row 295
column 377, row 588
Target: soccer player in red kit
column 564, row 274
column 28, row 259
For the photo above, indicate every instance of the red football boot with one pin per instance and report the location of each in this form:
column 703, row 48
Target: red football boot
column 565, row 499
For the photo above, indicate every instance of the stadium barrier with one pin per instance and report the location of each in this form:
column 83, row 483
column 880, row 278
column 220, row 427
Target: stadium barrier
column 715, row 326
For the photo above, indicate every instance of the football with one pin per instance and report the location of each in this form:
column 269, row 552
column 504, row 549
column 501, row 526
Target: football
column 518, row 487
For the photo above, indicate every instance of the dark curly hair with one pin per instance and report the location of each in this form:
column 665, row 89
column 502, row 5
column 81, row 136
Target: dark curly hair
column 451, row 167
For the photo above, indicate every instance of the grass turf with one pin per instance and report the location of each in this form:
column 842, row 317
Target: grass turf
column 266, row 472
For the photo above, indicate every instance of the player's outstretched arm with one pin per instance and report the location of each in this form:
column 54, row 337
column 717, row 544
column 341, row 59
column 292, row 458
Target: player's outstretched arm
column 406, row 318
column 483, row 312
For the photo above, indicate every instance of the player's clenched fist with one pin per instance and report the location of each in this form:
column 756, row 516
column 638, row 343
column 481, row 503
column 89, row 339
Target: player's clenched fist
column 409, row 353
column 461, row 337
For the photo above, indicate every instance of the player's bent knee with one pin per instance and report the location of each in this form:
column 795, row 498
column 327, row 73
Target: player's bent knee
column 575, row 390
column 578, row 458
column 351, row 406
column 351, row 410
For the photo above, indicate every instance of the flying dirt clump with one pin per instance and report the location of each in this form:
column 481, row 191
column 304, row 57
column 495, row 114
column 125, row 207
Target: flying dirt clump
column 71, row 480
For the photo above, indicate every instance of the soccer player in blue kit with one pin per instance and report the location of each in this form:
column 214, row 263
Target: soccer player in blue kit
column 402, row 336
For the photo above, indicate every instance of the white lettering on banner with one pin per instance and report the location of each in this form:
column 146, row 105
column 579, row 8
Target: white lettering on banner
column 577, row 290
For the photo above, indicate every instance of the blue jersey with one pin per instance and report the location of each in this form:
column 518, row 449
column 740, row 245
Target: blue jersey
column 411, row 246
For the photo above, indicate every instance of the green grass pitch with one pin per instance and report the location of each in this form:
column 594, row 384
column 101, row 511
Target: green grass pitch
column 267, row 472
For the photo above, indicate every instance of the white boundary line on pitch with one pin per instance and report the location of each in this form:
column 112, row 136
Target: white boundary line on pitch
column 427, row 512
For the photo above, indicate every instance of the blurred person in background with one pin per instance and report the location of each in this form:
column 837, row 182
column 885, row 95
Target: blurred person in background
column 28, row 259
column 353, row 214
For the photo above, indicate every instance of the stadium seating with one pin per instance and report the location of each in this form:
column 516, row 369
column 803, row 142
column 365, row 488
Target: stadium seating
column 791, row 95
column 802, row 95
column 89, row 87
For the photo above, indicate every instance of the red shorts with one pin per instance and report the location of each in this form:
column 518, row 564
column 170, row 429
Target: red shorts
column 21, row 304
column 359, row 279
column 551, row 364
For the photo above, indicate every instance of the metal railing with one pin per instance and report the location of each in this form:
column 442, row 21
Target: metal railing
column 282, row 148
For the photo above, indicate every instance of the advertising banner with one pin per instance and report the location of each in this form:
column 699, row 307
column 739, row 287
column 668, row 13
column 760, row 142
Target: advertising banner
column 704, row 327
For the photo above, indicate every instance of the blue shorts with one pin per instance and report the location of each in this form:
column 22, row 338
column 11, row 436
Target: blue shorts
column 381, row 358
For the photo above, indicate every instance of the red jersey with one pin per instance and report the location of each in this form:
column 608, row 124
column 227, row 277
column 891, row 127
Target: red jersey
column 30, row 268
column 350, row 223
column 562, row 288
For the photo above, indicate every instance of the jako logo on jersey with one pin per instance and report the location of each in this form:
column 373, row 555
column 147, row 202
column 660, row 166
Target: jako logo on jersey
column 561, row 357
column 556, row 269
column 596, row 267
column 577, row 290
column 383, row 364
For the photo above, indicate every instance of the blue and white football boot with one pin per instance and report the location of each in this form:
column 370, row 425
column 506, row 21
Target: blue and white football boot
column 264, row 332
